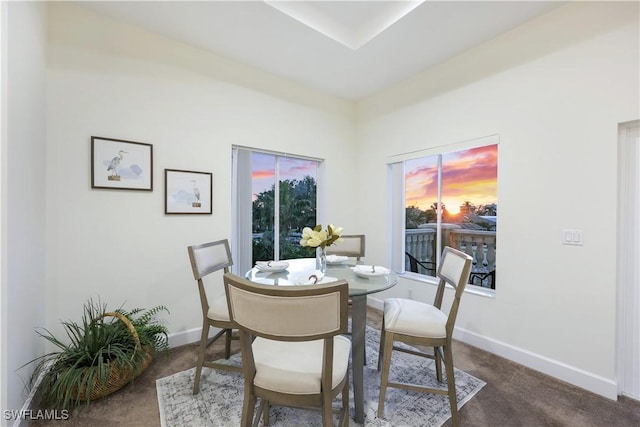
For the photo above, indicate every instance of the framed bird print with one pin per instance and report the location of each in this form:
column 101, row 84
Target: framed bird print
column 121, row 165
column 187, row 192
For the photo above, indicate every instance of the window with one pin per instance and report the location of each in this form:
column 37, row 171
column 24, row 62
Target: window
column 449, row 199
column 275, row 197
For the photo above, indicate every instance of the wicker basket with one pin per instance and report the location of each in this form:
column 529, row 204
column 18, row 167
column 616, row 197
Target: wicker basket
column 119, row 375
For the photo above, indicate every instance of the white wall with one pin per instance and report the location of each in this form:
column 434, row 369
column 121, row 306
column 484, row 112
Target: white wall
column 112, row 80
column 556, row 112
column 23, row 193
column 554, row 90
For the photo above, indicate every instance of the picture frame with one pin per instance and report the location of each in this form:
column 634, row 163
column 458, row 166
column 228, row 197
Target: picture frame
column 117, row 164
column 188, row 192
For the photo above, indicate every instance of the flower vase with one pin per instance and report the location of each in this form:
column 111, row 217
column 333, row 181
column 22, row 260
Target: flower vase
column 321, row 259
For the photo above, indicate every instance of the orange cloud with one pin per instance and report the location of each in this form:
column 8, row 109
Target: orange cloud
column 263, row 174
column 467, row 175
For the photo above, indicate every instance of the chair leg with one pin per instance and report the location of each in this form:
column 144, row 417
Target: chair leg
column 265, row 413
column 451, row 384
column 256, row 419
column 438, row 361
column 248, row 407
column 344, row 422
column 227, row 344
column 384, row 376
column 203, row 345
column 327, row 409
column 381, row 350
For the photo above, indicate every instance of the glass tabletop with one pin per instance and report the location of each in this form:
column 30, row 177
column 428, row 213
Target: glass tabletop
column 301, row 269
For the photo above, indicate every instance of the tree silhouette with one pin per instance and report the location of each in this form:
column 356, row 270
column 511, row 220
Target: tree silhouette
column 297, row 209
column 414, row 216
column 467, row 208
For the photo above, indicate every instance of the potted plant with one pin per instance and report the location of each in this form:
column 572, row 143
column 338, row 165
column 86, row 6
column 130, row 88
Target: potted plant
column 101, row 354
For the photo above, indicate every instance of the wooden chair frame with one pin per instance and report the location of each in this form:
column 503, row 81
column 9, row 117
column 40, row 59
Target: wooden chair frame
column 441, row 346
column 202, row 266
column 236, row 289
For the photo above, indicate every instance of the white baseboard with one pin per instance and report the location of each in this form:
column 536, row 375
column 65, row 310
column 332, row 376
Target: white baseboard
column 559, row 370
column 189, row 337
column 570, row 374
column 185, row 337
column 578, row 377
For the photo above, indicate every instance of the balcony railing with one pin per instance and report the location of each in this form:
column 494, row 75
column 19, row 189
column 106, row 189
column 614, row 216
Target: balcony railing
column 479, row 244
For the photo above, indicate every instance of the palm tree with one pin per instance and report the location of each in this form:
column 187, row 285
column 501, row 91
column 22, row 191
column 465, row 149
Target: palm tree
column 467, row 208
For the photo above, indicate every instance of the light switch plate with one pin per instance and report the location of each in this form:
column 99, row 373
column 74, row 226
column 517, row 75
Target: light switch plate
column 572, row 237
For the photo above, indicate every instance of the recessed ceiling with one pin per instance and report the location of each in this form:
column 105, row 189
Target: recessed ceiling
column 350, row 49
column 351, row 23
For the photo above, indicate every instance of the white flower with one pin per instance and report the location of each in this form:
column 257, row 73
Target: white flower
column 318, row 237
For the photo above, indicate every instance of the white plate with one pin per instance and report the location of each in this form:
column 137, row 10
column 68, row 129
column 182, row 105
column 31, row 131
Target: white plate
column 272, row 266
column 336, row 259
column 368, row 271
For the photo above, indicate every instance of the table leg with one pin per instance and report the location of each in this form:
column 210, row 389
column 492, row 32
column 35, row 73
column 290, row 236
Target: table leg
column 358, row 327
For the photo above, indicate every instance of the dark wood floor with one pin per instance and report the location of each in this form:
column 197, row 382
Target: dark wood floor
column 514, row 396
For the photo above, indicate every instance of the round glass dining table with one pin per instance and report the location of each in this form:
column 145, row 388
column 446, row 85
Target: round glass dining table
column 300, row 272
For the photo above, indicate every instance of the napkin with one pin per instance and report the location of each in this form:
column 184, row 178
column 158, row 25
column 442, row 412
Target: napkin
column 369, row 270
column 272, row 264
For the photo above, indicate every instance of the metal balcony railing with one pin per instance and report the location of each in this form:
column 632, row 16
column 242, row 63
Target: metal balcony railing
column 420, row 244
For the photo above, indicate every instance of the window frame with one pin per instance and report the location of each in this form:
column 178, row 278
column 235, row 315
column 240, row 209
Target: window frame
column 241, row 247
column 397, row 207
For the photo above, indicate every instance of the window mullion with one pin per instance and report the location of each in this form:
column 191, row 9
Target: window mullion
column 439, row 212
column 276, row 211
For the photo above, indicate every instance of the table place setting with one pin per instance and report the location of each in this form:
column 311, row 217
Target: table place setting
column 272, row 266
column 336, row 259
column 314, row 277
column 370, row 270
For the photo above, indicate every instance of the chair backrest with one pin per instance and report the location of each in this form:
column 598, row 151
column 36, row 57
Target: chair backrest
column 291, row 313
column 207, row 258
column 351, row 246
column 454, row 270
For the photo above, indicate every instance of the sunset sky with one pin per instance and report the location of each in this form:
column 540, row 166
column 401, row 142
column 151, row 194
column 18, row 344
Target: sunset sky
column 467, row 175
column 263, row 170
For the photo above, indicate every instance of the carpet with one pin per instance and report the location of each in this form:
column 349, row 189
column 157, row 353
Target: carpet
column 219, row 402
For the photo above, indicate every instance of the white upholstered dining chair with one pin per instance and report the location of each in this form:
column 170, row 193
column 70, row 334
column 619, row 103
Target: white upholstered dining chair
column 417, row 323
column 292, row 350
column 208, row 258
column 352, row 246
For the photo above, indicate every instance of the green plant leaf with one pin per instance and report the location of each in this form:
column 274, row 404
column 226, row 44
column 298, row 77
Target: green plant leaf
column 91, row 349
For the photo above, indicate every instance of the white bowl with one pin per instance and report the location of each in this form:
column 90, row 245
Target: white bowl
column 370, row 271
column 336, row 259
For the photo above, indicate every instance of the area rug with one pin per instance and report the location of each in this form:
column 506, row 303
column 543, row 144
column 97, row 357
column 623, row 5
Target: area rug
column 219, row 402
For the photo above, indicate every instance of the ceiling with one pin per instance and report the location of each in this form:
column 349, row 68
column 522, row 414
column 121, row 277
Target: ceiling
column 350, row 49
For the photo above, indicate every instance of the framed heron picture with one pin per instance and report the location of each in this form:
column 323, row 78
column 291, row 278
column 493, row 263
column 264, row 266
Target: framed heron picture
column 187, row 192
column 121, row 165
